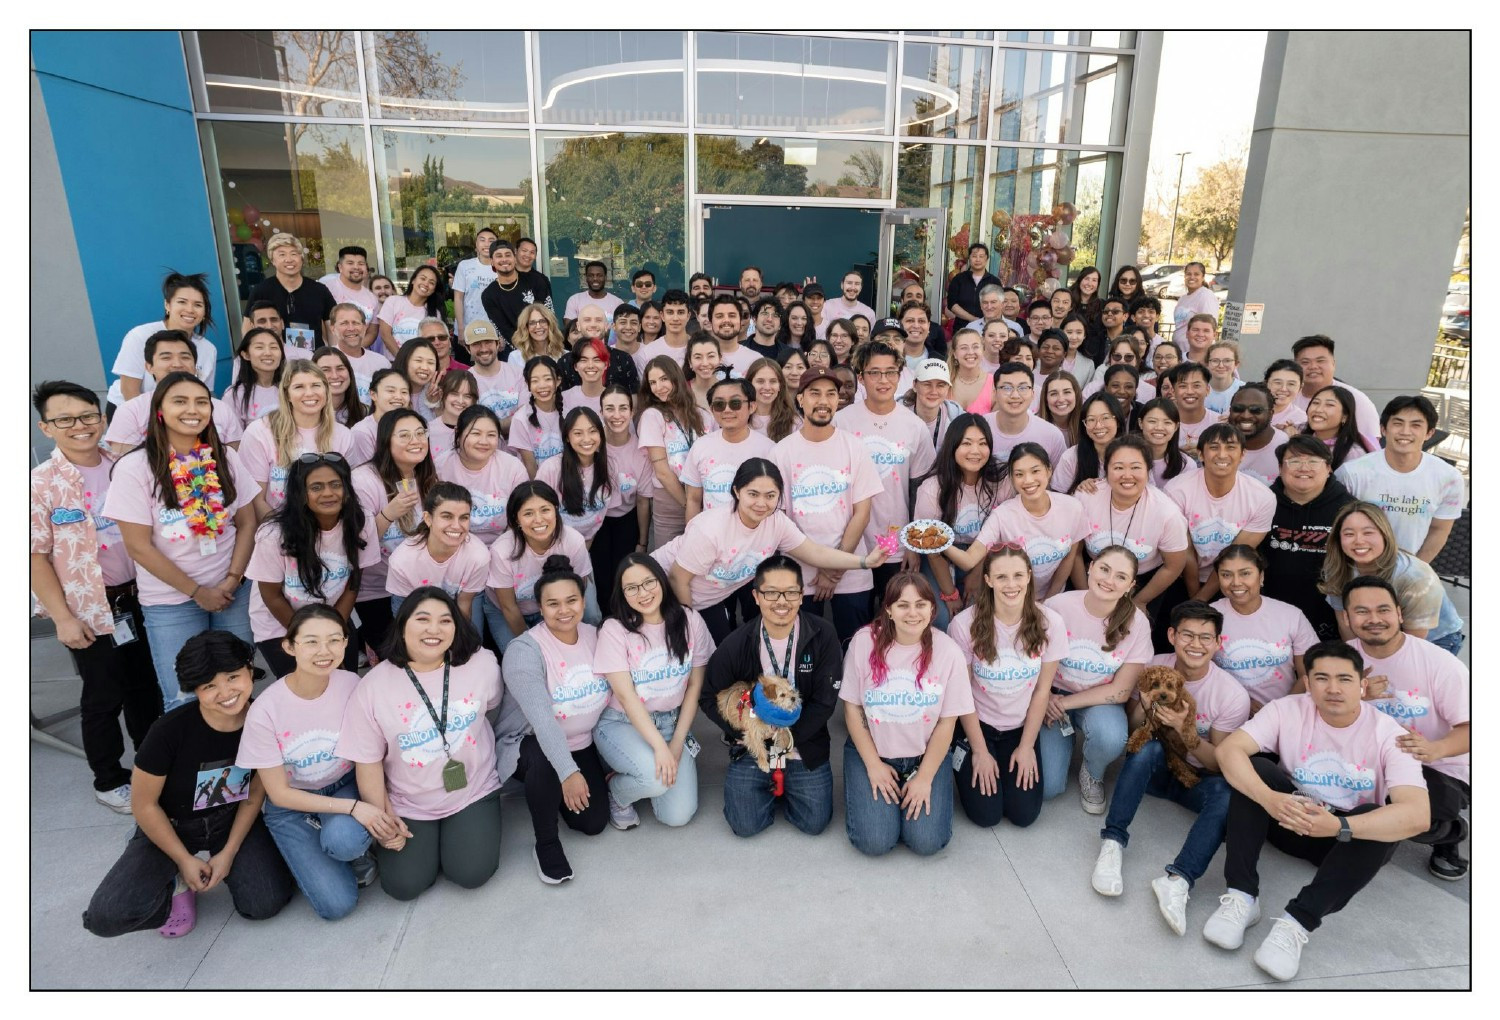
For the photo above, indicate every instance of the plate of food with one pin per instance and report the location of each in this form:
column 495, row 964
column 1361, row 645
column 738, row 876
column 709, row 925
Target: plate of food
column 926, row 537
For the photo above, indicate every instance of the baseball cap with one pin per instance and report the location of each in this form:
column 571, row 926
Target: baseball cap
column 813, row 375
column 933, row 369
column 478, row 330
column 888, row 326
column 813, row 290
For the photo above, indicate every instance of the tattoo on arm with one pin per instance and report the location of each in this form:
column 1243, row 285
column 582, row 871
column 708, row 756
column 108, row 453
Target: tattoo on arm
column 859, row 715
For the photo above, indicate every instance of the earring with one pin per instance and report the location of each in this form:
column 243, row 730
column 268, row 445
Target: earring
column 160, row 418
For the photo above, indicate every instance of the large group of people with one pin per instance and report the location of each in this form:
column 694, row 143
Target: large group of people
column 542, row 549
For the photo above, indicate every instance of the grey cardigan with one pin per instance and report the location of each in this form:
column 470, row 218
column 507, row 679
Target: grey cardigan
column 527, row 708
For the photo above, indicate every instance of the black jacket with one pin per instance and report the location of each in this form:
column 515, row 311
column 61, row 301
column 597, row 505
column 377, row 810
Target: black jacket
column 818, row 669
column 1294, row 550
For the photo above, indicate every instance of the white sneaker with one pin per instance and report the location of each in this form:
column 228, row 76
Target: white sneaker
column 1172, row 899
column 1226, row 928
column 1091, row 791
column 117, row 800
column 622, row 816
column 1107, row 880
column 1281, row 953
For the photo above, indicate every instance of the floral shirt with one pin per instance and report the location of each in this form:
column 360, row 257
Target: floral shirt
column 66, row 535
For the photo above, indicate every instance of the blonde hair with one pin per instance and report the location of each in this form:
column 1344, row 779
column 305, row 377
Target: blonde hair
column 522, row 339
column 1226, row 345
column 1338, row 569
column 283, row 424
column 783, row 417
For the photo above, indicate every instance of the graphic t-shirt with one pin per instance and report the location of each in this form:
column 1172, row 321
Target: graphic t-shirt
column 1003, row 686
column 823, row 482
column 1087, row 664
column 471, row 278
column 901, row 711
column 1427, row 691
column 722, row 553
column 899, row 447
column 197, row 762
column 268, row 563
column 343, row 294
column 411, row 567
column 1342, row 767
column 114, row 562
column 655, row 430
column 403, row 317
column 579, row 693
column 591, row 519
column 387, row 721
column 633, row 476
column 969, row 517
column 542, row 440
column 713, row 460
column 298, row 735
column 501, row 392
column 310, row 304
column 1261, row 464
column 1412, row 500
column 1216, row 521
column 373, row 497
column 660, row 680
column 1148, row 529
column 1223, row 704
column 1047, row 538
column 1048, row 435
column 522, row 574
column 129, row 424
column 258, row 452
column 489, row 488
column 1258, row 648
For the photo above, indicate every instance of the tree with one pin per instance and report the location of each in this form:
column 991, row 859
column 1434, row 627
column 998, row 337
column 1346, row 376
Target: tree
column 727, row 169
column 865, row 168
column 1211, row 208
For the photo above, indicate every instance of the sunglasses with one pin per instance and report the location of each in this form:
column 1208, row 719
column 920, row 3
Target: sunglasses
column 319, row 458
column 732, row 404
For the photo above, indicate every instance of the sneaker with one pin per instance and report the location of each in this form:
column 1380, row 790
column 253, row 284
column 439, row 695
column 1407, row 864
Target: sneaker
column 622, row 816
column 552, row 864
column 1447, row 863
column 1226, row 928
column 1172, row 899
column 365, row 870
column 1281, row 953
column 1107, row 881
column 117, row 800
column 184, row 912
column 1091, row 791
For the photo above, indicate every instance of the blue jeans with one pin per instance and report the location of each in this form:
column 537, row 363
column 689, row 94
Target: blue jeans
column 1105, row 731
column 169, row 627
column 500, row 630
column 750, row 805
column 1451, row 642
column 875, row 827
column 634, row 762
column 318, row 848
column 1146, row 772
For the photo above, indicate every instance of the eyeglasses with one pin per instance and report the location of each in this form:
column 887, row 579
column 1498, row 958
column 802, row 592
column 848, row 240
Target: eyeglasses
column 1221, row 362
column 67, row 421
column 1114, row 311
column 406, row 437
column 650, row 584
column 882, row 373
column 1208, row 640
column 1009, row 389
column 319, row 458
column 313, row 644
column 1245, row 408
column 1296, row 463
column 781, row 596
column 1095, row 421
column 732, row 404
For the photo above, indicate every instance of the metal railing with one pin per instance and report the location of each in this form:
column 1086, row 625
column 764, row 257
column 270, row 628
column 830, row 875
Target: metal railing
column 1450, row 365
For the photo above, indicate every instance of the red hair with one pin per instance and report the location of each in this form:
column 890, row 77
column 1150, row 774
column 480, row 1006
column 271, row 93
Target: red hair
column 883, row 629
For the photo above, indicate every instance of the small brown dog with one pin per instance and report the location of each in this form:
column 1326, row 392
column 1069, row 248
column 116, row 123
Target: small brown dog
column 736, row 709
column 1161, row 685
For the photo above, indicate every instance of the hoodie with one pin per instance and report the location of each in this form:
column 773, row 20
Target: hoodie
column 1294, row 550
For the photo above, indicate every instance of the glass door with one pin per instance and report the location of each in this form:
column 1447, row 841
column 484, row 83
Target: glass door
column 911, row 250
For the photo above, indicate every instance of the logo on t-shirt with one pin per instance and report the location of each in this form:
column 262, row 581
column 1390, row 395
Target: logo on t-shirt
column 309, row 758
column 172, row 525
column 502, row 402
column 717, row 477
column 818, row 488
column 1252, row 660
column 1008, row 675
column 885, row 453
column 335, row 579
column 1088, row 665
column 1404, row 706
column 1045, row 551
column 422, row 743
column 968, row 521
column 1103, row 537
column 548, row 445
column 1326, row 776
column 900, row 701
column 220, row 783
column 487, row 513
column 677, row 447
column 1210, row 534
column 658, row 675
column 581, row 692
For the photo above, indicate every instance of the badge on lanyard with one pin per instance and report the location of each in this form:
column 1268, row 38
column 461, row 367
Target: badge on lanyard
column 207, row 545
column 454, row 776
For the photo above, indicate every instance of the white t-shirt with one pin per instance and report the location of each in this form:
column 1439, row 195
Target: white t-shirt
column 1412, row 500
column 471, row 278
column 578, row 302
column 131, row 360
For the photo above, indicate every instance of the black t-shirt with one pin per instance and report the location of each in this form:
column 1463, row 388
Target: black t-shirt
column 310, row 304
column 777, row 352
column 504, row 306
column 964, row 292
column 621, row 371
column 197, row 761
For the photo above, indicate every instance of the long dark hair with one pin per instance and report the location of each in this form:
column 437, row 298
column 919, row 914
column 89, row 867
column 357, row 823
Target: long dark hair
column 883, row 629
column 574, row 501
column 300, row 530
column 518, row 497
column 424, row 474
column 442, row 492
column 1172, row 456
column 680, row 408
column 466, row 420
column 1089, row 465
column 157, row 447
column 1348, row 436
column 674, row 616
column 532, row 364
column 951, row 477
column 354, row 410
column 403, row 359
column 465, row 637
column 1089, row 307
column 1032, row 634
column 438, row 295
column 239, row 392
column 175, row 281
column 784, row 334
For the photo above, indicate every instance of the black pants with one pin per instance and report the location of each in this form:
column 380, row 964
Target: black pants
column 1343, row 868
column 1160, row 608
column 544, row 792
column 1447, row 797
column 136, row 895
column 616, row 539
column 1008, row 801
column 883, row 575
column 375, row 622
column 116, row 678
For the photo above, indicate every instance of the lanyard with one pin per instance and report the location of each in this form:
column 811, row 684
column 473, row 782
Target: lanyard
column 791, row 647
column 442, row 723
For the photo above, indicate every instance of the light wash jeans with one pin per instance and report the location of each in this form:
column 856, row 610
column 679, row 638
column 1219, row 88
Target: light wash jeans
column 500, row 630
column 634, row 762
column 1105, row 730
column 875, row 827
column 169, row 627
column 318, row 848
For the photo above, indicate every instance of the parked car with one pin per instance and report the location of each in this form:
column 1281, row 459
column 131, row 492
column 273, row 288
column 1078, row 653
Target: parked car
column 1454, row 325
column 1153, row 274
column 1220, row 286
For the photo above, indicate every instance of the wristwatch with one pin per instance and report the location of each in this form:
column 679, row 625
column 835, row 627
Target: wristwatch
column 1345, row 833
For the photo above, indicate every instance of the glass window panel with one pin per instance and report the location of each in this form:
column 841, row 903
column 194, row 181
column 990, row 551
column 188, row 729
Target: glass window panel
column 1053, row 38
column 437, row 188
column 1098, row 111
column 1027, row 186
column 946, row 177
column 982, row 33
column 945, row 90
column 306, row 179
column 825, row 167
column 1099, row 61
column 618, row 198
column 793, row 83
column 611, row 78
column 1032, row 104
column 1108, row 39
column 447, row 75
column 312, row 73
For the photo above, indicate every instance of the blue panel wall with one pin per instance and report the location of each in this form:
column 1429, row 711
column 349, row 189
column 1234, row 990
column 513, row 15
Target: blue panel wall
column 122, row 125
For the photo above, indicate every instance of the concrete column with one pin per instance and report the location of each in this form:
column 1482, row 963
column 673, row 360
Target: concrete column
column 1355, row 194
column 1126, row 243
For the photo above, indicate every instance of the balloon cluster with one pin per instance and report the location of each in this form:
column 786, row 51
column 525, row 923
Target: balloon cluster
column 247, row 226
column 1036, row 245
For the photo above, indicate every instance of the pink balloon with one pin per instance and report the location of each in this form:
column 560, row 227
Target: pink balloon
column 1057, row 239
column 252, row 214
column 1047, row 259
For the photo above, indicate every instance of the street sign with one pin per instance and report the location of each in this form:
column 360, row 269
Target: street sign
column 1234, row 312
column 1253, row 315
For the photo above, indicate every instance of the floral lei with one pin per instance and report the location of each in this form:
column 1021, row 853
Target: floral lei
column 195, row 478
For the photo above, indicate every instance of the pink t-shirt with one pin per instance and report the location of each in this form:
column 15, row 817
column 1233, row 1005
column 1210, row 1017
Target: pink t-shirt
column 129, row 424
column 267, row 563
column 899, row 447
column 544, row 440
column 1159, row 470
column 903, row 713
column 372, row 499
column 713, row 460
column 131, row 500
column 362, row 441
column 1257, row 648
column 258, row 451
column 342, row 293
column 968, row 519
column 387, row 721
column 501, row 392
column 656, row 348
column 1066, row 469
column 1294, row 414
column 489, row 488
column 115, row 563
column 1045, row 433
column 666, row 554
column 1261, row 464
column 575, row 397
column 522, row 574
column 1153, row 526
column 739, row 361
column 659, row 679
column 1187, row 434
column 587, row 523
column 1047, row 538
column 403, row 317
column 1342, row 767
column 440, row 440
column 364, row 368
column 579, row 692
column 655, row 430
column 633, row 476
column 411, row 567
column 1428, row 692
column 823, row 482
column 1215, row 522
column 1002, row 687
column 263, row 400
column 1222, row 703
column 298, row 735
column 722, row 553
column 1087, row 664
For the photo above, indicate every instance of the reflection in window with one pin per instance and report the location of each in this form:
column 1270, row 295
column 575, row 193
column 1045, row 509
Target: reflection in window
column 306, row 179
column 618, row 198
column 611, row 77
column 946, row 177
column 793, row 83
column 438, row 188
column 311, row 73
column 1049, row 97
column 1050, row 38
column 944, row 90
column 824, row 167
column 447, row 75
column 1028, row 186
column 982, row 33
